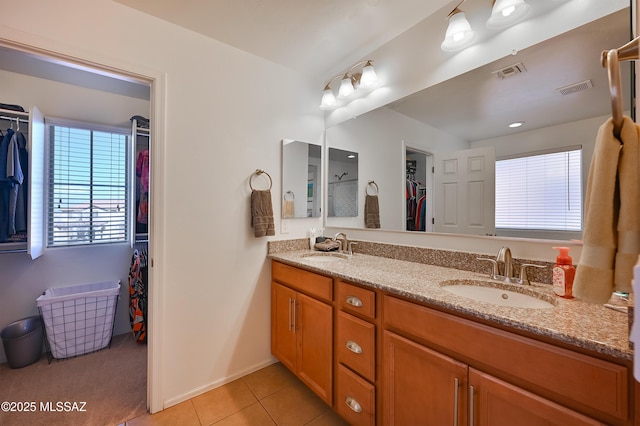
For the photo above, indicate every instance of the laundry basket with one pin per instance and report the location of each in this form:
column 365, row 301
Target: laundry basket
column 78, row 319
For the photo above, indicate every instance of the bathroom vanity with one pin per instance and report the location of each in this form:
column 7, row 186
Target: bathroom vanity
column 383, row 342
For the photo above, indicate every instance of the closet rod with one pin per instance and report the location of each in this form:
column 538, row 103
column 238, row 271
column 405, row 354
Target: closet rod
column 14, row 113
column 22, row 120
column 611, row 60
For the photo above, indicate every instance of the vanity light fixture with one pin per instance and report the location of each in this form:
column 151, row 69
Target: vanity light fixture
column 459, row 33
column 351, row 84
column 506, row 13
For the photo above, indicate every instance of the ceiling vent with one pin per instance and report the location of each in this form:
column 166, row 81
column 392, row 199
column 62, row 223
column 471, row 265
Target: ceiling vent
column 510, row 71
column 575, row 87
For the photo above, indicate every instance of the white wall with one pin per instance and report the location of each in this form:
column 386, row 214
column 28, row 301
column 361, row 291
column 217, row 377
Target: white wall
column 215, row 123
column 23, row 280
column 379, row 137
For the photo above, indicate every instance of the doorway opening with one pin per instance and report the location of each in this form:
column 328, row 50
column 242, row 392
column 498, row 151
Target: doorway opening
column 84, row 84
column 419, row 190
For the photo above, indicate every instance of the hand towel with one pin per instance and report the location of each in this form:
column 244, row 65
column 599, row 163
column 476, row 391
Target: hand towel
column 328, row 245
column 262, row 213
column 594, row 275
column 628, row 245
column 289, row 209
column 371, row 212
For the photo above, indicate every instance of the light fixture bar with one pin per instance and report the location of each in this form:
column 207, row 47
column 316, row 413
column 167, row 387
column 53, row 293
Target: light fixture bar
column 351, row 84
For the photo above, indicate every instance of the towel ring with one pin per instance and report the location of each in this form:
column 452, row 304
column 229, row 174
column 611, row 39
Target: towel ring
column 374, row 184
column 258, row 172
column 291, row 194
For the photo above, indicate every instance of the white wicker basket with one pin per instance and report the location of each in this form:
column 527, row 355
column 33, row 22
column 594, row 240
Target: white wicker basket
column 79, row 319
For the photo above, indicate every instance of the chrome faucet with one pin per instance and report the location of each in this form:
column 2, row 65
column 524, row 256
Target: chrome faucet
column 344, row 244
column 505, row 262
column 502, row 269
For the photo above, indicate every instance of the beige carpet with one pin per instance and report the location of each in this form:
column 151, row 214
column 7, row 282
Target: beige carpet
column 112, row 383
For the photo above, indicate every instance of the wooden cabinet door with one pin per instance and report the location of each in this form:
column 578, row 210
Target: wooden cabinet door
column 314, row 331
column 497, row 403
column 283, row 337
column 421, row 386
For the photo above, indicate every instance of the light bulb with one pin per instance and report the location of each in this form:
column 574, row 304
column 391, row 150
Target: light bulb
column 506, row 13
column 459, row 33
column 369, row 77
column 346, row 87
column 328, row 99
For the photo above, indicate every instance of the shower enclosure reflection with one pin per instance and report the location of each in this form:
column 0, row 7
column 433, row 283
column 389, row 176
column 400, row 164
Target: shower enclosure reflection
column 342, row 192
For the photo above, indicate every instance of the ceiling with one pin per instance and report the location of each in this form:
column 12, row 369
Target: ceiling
column 323, row 37
column 478, row 105
column 316, row 37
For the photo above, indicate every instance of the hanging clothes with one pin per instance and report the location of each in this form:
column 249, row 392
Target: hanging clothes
column 138, row 275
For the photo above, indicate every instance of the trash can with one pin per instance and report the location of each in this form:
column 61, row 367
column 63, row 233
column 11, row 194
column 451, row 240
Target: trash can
column 22, row 341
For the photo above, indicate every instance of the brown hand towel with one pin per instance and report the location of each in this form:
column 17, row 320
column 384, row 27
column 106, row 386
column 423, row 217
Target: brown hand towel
column 371, row 212
column 628, row 246
column 289, row 209
column 327, row 245
column 262, row 213
column 594, row 275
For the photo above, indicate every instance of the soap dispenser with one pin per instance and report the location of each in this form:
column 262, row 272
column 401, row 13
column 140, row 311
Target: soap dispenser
column 563, row 273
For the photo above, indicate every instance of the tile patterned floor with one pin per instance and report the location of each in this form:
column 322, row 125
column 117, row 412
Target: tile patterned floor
column 270, row 396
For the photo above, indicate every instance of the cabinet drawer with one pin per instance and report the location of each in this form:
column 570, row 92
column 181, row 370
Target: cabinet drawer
column 305, row 281
column 355, row 345
column 356, row 398
column 356, row 299
column 586, row 384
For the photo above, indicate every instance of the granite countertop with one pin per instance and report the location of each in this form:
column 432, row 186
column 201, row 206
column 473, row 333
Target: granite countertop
column 592, row 327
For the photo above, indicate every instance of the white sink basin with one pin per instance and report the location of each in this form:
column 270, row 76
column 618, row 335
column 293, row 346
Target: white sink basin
column 324, row 257
column 492, row 293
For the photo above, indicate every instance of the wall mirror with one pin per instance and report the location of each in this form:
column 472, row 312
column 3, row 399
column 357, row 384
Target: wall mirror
column 301, row 179
column 342, row 187
column 558, row 88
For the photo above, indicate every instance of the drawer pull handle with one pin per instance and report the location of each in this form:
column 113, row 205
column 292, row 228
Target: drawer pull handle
column 456, row 385
column 472, row 409
column 354, row 301
column 353, row 347
column 353, row 404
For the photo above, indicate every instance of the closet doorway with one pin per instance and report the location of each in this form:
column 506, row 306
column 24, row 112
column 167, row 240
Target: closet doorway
column 74, row 90
column 419, row 190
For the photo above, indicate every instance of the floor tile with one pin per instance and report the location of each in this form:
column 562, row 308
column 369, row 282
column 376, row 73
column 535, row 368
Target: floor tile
column 270, row 379
column 183, row 414
column 294, row 405
column 253, row 415
column 328, row 418
column 223, row 401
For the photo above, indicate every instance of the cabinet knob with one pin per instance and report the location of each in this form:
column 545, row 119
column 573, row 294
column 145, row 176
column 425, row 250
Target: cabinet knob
column 353, row 404
column 353, row 347
column 354, row 301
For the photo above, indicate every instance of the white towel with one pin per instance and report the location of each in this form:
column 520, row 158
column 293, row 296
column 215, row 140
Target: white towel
column 611, row 231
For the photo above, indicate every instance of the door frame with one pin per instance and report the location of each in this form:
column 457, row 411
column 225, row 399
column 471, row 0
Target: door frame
column 158, row 87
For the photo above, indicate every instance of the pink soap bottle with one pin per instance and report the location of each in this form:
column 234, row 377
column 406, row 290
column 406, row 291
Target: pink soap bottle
column 563, row 273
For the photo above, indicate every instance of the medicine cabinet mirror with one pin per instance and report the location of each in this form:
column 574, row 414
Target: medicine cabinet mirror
column 301, row 179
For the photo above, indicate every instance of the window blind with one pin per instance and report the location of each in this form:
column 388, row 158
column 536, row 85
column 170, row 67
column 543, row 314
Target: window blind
column 87, row 187
column 541, row 191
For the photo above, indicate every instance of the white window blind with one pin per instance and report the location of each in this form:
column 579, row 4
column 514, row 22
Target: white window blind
column 540, row 192
column 87, row 187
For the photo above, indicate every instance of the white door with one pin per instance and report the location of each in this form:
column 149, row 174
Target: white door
column 35, row 218
column 465, row 191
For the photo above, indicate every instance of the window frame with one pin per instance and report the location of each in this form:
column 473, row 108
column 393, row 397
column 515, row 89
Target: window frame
column 545, row 233
column 50, row 123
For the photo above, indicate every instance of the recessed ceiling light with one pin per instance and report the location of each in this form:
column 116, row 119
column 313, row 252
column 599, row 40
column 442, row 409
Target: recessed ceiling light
column 351, row 156
column 516, row 124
